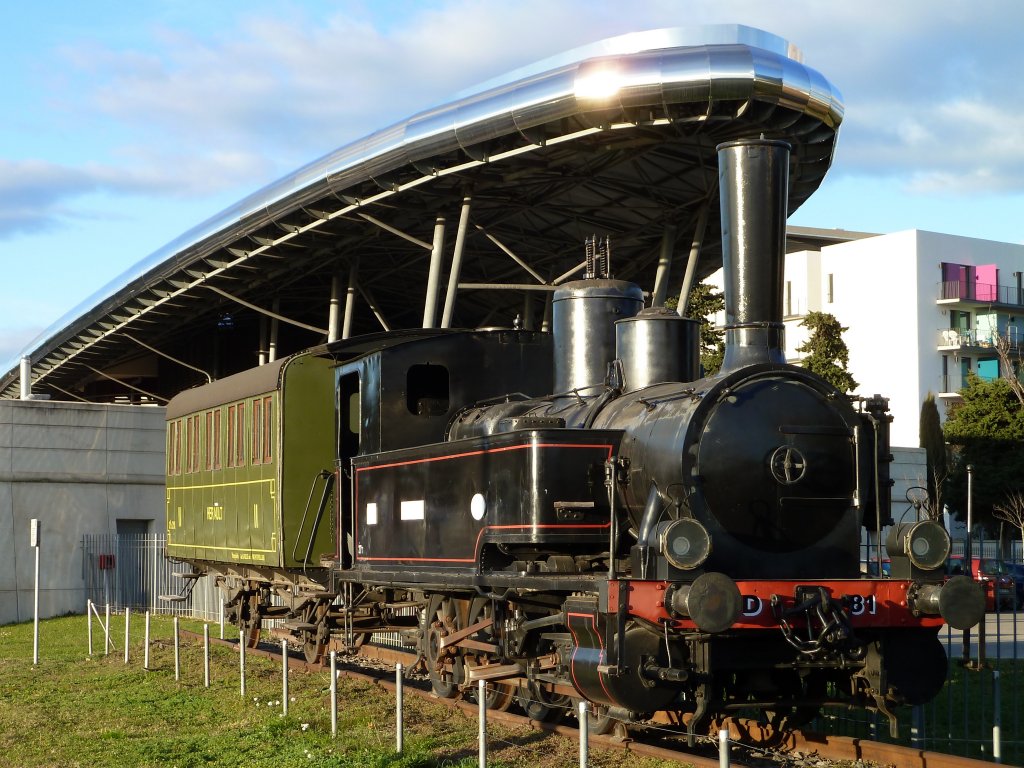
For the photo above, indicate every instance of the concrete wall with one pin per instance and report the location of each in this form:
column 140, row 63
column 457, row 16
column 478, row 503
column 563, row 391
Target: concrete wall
column 78, row 468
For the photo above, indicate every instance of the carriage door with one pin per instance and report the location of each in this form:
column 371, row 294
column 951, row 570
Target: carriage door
column 348, row 429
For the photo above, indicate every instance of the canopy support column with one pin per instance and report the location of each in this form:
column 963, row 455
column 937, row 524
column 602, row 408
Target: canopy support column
column 453, row 277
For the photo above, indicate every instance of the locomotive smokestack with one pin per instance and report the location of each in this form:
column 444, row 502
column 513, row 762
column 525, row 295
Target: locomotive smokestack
column 754, row 182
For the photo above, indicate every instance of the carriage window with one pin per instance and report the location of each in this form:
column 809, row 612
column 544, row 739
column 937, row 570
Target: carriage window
column 427, row 390
column 174, row 448
column 267, row 426
column 213, row 439
column 257, row 432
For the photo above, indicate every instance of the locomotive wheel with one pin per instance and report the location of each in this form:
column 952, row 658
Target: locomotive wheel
column 499, row 696
column 540, row 705
column 445, row 670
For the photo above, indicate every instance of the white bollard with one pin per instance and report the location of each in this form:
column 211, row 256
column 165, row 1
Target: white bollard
column 334, row 694
column 106, row 634
column 584, row 736
column 481, row 695
column 222, row 617
column 177, row 652
column 145, row 657
column 88, row 615
column 127, row 631
column 284, row 677
column 399, row 714
column 723, row 748
column 206, row 655
column 241, row 662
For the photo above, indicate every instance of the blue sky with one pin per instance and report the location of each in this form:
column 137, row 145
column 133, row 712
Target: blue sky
column 128, row 123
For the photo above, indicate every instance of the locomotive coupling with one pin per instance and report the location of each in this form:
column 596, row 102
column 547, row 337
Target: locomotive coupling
column 960, row 601
column 713, row 602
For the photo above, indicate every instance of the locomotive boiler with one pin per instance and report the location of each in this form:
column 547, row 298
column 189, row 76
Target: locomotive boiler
column 583, row 515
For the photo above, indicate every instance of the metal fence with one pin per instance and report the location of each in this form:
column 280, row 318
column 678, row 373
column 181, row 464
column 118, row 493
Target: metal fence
column 130, row 571
column 984, row 696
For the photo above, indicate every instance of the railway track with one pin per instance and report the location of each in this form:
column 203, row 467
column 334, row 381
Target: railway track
column 758, row 745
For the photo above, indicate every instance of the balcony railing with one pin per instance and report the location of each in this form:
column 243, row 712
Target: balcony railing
column 951, row 383
column 982, row 292
column 960, row 338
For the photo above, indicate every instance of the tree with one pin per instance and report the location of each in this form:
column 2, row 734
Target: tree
column 934, row 444
column 827, row 354
column 704, row 303
column 985, row 430
column 1011, row 510
column 1006, row 366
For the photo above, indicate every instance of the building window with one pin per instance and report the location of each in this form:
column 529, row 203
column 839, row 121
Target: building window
column 831, row 288
column 789, row 297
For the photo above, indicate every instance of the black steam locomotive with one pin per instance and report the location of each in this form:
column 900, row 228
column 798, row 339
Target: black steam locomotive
column 644, row 538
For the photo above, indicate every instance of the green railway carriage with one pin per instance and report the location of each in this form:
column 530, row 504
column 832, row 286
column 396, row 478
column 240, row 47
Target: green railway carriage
column 248, row 462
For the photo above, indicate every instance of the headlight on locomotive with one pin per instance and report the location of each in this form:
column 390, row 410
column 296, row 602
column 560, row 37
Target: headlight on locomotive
column 925, row 543
column 685, row 543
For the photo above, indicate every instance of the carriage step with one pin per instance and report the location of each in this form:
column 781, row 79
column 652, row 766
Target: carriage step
column 190, row 575
column 174, row 598
column 298, row 626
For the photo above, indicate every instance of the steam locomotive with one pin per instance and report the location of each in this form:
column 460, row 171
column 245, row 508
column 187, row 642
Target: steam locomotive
column 645, row 538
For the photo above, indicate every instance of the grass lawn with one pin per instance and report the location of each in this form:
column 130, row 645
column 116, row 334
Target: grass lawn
column 76, row 710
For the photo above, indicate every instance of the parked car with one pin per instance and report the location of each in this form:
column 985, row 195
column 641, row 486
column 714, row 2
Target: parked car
column 994, row 577
column 1016, row 570
column 871, row 567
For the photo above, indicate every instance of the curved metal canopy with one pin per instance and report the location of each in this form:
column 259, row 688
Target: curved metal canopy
column 617, row 138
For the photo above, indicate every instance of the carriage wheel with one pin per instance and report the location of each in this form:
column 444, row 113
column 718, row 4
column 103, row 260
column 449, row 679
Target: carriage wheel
column 314, row 642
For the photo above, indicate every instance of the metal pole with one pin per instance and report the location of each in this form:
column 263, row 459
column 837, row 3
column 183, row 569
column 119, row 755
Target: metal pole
column 241, row 663
column 350, row 297
column 334, row 313
column 106, row 634
column 88, row 614
column 723, row 748
column 127, row 631
column 35, row 606
column 584, row 736
column 334, row 694
column 434, row 275
column 968, row 556
column 482, row 698
column 691, row 264
column 613, row 533
column 453, row 277
column 997, row 746
column 274, row 325
column 206, row 655
column 399, row 715
column 668, row 238
column 177, row 652
column 145, row 656
column 263, row 341
column 284, row 677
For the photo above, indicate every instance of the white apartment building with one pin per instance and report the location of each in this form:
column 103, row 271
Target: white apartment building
column 922, row 310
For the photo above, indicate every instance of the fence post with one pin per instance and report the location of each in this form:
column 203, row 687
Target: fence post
column 241, row 663
column 399, row 714
column 222, row 617
column 177, row 654
column 334, row 694
column 106, row 634
column 127, row 631
column 723, row 748
column 584, row 736
column 145, row 657
column 284, row 677
column 88, row 615
column 997, row 746
column 482, row 698
column 206, row 655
